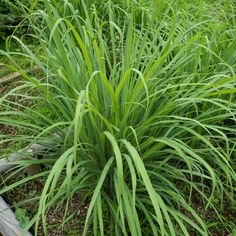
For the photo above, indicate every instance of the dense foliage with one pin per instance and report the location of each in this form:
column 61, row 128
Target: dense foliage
column 135, row 107
column 11, row 15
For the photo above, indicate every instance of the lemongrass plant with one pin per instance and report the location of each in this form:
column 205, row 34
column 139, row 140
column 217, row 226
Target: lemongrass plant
column 143, row 110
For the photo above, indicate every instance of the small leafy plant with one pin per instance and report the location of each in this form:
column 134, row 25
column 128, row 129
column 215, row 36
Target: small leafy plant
column 22, row 216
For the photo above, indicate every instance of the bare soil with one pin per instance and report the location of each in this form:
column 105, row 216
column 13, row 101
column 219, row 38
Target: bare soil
column 56, row 214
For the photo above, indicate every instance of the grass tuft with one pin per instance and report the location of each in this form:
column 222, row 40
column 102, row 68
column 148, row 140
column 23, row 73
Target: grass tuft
column 140, row 112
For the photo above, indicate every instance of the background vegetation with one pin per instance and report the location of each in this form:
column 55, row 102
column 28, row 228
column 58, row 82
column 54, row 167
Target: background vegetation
column 11, row 15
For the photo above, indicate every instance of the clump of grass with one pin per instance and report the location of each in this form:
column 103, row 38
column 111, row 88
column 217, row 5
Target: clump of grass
column 143, row 112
